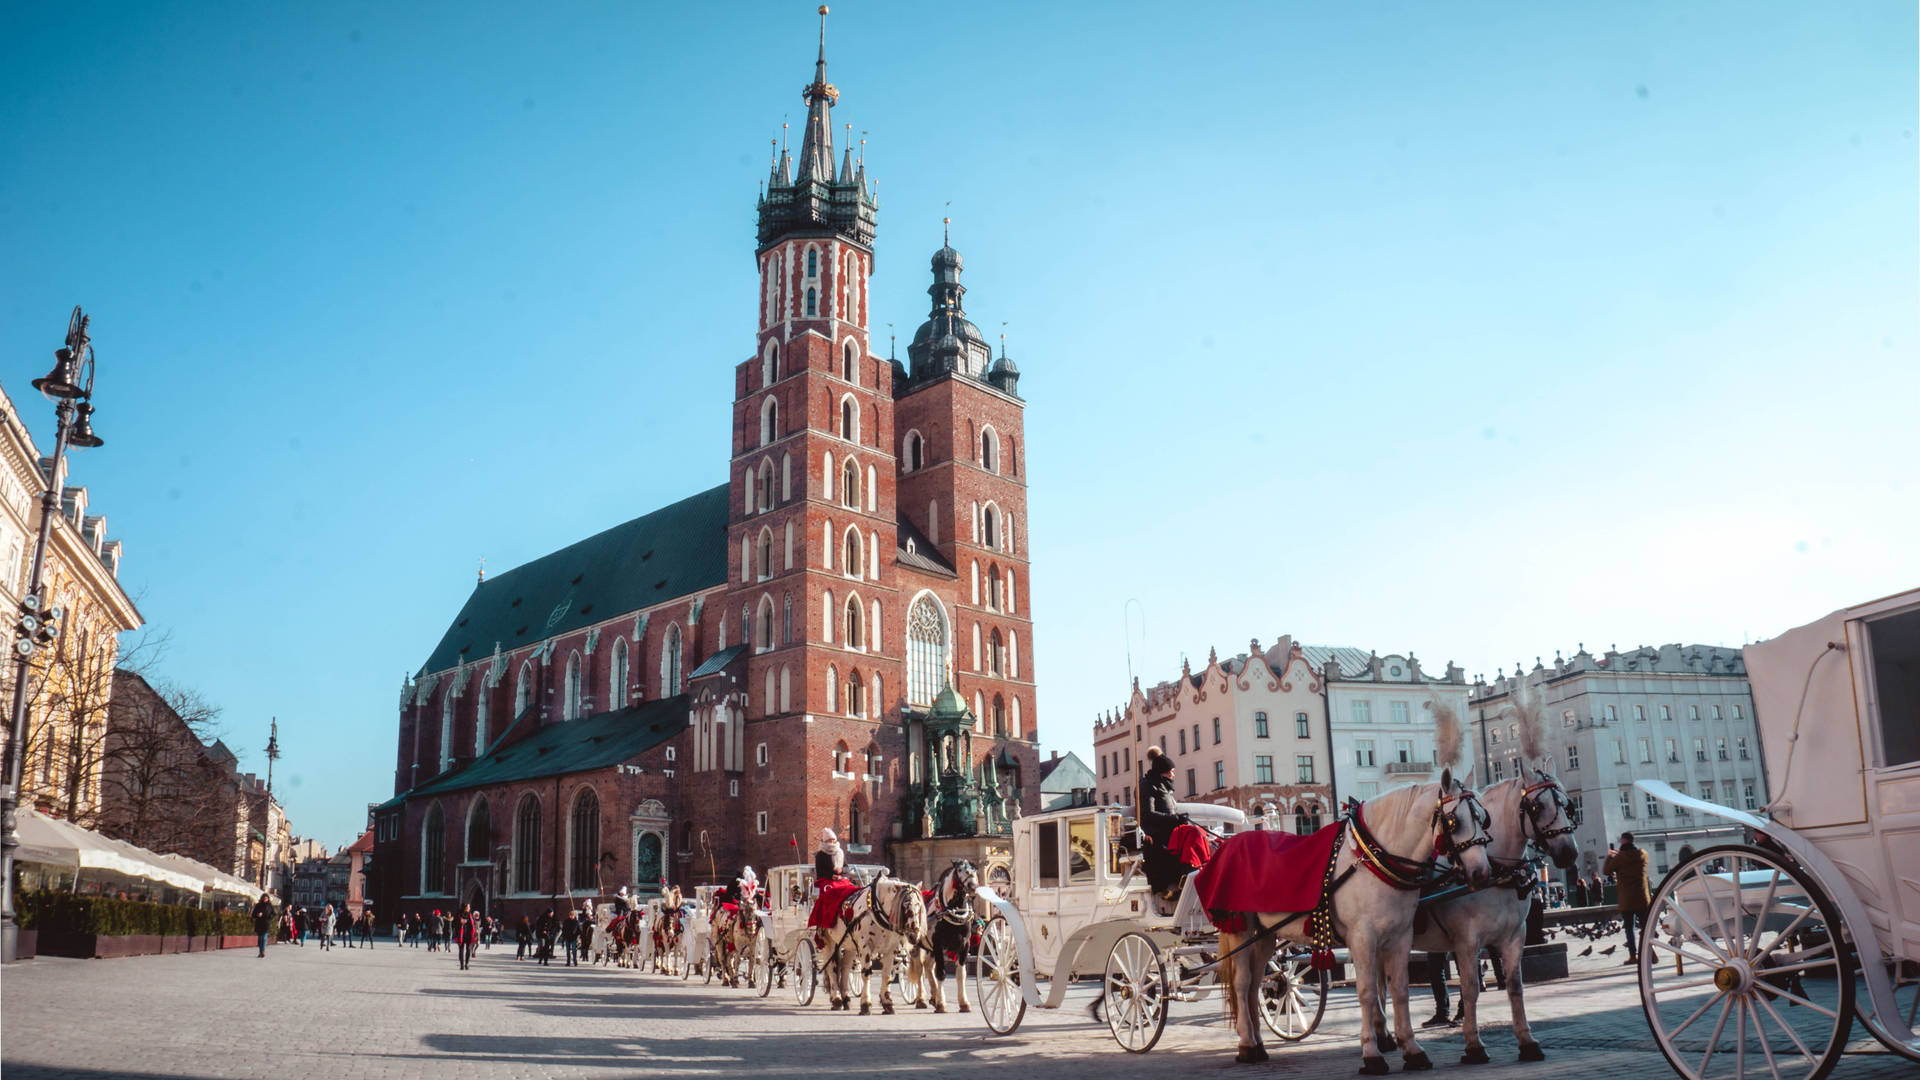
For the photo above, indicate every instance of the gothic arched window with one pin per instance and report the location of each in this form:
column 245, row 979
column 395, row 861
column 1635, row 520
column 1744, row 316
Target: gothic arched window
column 765, row 628
column 989, row 451
column 849, row 420
column 813, row 300
column 852, row 552
column 764, row 562
column 523, row 689
column 433, row 852
column 999, row 716
column 618, row 676
column 446, row 729
column 856, row 694
column 997, row 657
column 856, row 635
column 570, row 708
column 990, row 526
column 914, row 444
column 584, row 842
column 850, row 485
column 849, row 363
column 670, row 662
column 770, row 364
column 763, row 493
column 813, row 265
column 479, row 832
column 481, row 692
column 769, row 420
column 786, row 621
column 526, row 845
column 926, row 651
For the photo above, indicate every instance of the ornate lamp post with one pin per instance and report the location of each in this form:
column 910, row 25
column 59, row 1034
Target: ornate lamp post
column 70, row 386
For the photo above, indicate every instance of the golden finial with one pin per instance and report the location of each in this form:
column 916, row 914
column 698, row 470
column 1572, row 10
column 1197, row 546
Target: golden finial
column 823, row 9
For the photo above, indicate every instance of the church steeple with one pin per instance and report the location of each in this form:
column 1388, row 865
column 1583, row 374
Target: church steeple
column 816, row 142
column 813, row 198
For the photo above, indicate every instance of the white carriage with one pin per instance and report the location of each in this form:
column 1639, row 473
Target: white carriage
column 1079, row 904
column 1757, row 956
column 786, row 953
column 696, row 933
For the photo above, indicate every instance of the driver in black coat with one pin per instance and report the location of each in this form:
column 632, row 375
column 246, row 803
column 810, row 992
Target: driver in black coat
column 1159, row 816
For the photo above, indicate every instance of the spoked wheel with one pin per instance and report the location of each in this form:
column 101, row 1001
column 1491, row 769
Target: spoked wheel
column 713, row 961
column 1741, row 973
column 805, row 972
column 686, row 960
column 1134, row 993
column 996, row 978
column 763, row 964
column 1293, row 995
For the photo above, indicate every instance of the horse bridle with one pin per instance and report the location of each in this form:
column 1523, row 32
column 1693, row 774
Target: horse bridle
column 958, row 911
column 1446, row 819
column 1533, row 798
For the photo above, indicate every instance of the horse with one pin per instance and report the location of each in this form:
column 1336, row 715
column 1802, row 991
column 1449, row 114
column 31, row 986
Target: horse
column 736, row 931
column 950, row 931
column 666, row 931
column 868, row 929
column 1523, row 812
column 1395, row 837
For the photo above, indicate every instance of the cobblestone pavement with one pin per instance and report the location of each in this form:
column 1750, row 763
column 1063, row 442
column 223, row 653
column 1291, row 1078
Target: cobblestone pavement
column 397, row 1014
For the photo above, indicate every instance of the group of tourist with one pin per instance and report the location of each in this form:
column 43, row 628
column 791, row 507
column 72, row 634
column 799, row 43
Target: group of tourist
column 291, row 924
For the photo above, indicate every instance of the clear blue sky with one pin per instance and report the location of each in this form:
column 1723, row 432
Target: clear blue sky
column 1477, row 330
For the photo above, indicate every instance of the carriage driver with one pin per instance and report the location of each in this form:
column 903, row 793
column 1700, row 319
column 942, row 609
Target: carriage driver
column 1159, row 816
column 830, row 885
column 740, row 891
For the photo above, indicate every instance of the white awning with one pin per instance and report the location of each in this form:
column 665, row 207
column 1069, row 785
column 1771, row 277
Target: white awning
column 62, row 843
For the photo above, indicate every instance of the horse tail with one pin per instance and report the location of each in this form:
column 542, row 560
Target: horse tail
column 1229, row 949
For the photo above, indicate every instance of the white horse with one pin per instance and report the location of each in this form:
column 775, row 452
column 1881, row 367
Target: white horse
column 950, row 929
column 868, row 929
column 1379, row 862
column 1522, row 812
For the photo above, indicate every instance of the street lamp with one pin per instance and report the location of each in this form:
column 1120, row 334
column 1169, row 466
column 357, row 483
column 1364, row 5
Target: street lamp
column 70, row 386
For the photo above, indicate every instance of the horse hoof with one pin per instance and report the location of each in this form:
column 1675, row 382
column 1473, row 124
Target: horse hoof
column 886, row 1010
column 1475, row 1055
column 866, row 1009
column 1251, row 1055
column 1417, row 1061
column 1530, row 1051
column 939, row 1008
column 964, row 1008
column 1373, row 1066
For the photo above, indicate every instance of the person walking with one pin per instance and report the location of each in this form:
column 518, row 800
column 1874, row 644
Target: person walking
column 466, row 934
column 549, row 927
column 570, row 938
column 263, row 920
column 323, row 928
column 1628, row 865
column 522, row 933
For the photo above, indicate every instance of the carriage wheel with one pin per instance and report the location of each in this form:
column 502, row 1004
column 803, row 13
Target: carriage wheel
column 1293, row 995
column 763, row 964
column 805, row 972
column 684, row 954
column 1134, row 993
column 997, row 977
column 713, row 960
column 1745, row 979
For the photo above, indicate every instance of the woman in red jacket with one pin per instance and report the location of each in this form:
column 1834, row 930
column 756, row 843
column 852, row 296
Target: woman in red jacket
column 466, row 933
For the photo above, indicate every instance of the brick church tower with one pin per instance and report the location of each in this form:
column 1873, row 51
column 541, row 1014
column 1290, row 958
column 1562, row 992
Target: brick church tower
column 845, row 526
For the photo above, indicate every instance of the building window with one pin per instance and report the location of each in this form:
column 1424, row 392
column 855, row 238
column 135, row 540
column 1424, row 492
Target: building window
column 1693, row 712
column 926, row 650
column 1307, row 820
column 570, row 708
column 915, row 449
column 1219, row 775
column 1493, row 736
column 989, row 527
column 1566, row 718
column 1619, row 752
column 1720, row 748
column 526, row 846
column 1646, row 751
column 850, row 485
column 1611, row 714
column 1363, row 753
column 1736, row 712
column 769, row 420
column 1303, row 768
column 1362, row 712
column 999, row 717
column 853, row 554
column 849, row 420
column 1403, row 750
column 1639, row 712
column 446, row 730
column 1673, row 750
column 1498, row 767
column 1747, row 797
column 1216, row 731
column 833, row 690
column 1740, row 744
column 989, row 451
column 1699, row 749
column 1260, row 725
column 760, row 754
column 481, row 693
column 856, row 631
column 1626, row 802
column 1192, row 787
column 1398, row 712
column 617, row 678
column 1653, row 806
column 583, row 868
column 1263, row 768
column 760, row 823
column 670, row 662
column 842, row 760
column 1666, row 712
column 1301, row 729
column 1573, row 758
column 1183, row 740
column 433, row 852
column 813, row 302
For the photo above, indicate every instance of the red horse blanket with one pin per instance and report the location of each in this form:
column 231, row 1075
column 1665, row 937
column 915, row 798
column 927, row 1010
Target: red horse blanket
column 826, row 907
column 1266, row 871
column 1191, row 845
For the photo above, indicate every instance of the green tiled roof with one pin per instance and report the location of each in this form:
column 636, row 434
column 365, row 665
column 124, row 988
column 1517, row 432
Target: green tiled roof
column 592, row 742
column 674, row 551
column 717, row 662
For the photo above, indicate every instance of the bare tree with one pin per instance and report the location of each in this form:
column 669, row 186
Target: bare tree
column 162, row 788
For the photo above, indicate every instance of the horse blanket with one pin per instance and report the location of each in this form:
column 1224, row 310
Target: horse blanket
column 1266, row 871
column 826, row 907
column 1191, row 845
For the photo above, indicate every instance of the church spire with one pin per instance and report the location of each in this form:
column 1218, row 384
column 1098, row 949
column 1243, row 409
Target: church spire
column 816, row 143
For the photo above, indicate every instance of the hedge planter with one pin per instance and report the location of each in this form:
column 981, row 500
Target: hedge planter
column 27, row 944
column 238, row 941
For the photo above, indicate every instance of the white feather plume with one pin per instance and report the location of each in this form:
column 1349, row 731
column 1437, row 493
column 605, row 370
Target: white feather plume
column 1527, row 704
column 1447, row 743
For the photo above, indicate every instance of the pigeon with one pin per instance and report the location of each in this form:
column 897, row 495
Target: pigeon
column 1608, row 951
column 1588, row 951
